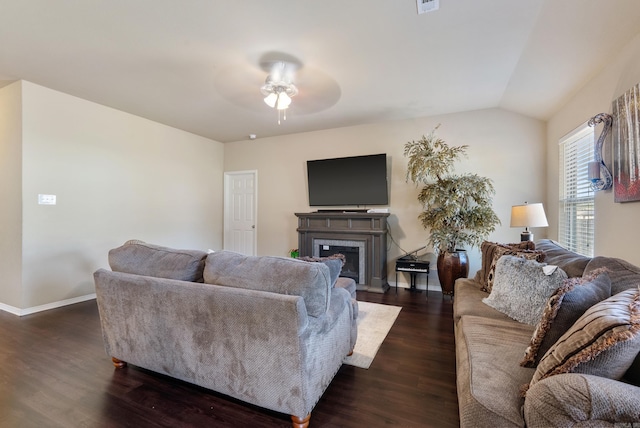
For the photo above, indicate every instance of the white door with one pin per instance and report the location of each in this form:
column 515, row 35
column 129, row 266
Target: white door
column 240, row 211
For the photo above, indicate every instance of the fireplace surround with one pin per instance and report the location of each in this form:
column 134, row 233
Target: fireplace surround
column 319, row 233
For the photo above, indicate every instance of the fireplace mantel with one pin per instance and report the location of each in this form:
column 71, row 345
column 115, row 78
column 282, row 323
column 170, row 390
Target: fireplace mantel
column 368, row 228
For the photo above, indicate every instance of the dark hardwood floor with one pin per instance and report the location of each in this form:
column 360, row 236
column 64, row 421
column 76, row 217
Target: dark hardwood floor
column 54, row 373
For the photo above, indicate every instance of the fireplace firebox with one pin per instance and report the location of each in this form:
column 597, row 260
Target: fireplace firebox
column 351, row 268
column 354, row 253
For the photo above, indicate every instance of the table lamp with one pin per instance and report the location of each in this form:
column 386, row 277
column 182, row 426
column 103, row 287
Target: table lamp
column 528, row 215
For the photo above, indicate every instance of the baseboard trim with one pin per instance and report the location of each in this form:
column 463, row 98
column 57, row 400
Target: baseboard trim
column 53, row 305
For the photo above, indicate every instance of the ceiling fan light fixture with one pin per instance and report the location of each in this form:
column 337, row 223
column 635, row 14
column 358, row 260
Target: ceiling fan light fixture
column 271, row 99
column 278, row 89
column 284, row 101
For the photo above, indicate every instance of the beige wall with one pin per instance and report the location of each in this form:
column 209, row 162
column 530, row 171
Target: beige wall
column 116, row 177
column 616, row 225
column 10, row 194
column 504, row 146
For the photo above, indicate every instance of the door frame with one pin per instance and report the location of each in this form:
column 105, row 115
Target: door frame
column 228, row 207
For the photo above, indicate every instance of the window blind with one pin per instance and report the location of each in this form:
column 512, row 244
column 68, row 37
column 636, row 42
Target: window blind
column 576, row 206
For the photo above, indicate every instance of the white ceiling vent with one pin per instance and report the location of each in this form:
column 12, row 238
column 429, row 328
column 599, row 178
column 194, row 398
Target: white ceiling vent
column 425, row 6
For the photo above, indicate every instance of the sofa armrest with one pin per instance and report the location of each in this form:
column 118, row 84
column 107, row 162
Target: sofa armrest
column 581, row 400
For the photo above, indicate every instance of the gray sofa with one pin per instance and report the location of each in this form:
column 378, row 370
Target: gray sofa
column 490, row 346
column 269, row 331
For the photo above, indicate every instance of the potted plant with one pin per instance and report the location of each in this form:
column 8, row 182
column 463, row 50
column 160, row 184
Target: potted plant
column 457, row 207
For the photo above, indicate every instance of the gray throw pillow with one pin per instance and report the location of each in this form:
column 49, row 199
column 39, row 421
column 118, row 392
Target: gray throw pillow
column 563, row 309
column 521, row 288
column 603, row 342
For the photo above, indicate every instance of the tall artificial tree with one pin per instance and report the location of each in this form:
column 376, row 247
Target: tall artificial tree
column 457, row 208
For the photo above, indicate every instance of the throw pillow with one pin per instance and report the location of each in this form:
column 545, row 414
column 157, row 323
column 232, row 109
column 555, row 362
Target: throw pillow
column 522, row 288
column 603, row 342
column 499, row 252
column 563, row 309
column 335, row 262
column 487, row 250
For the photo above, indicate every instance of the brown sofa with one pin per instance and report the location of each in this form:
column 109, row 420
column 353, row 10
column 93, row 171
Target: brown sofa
column 490, row 346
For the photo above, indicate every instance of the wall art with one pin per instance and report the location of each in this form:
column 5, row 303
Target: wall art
column 626, row 146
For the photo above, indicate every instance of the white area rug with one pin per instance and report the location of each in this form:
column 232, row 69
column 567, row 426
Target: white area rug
column 374, row 322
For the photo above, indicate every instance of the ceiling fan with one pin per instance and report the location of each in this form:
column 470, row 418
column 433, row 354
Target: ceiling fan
column 278, row 87
column 274, row 78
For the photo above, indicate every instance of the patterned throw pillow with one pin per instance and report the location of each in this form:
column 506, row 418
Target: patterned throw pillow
column 488, row 250
column 603, row 342
column 502, row 251
column 563, row 309
column 522, row 288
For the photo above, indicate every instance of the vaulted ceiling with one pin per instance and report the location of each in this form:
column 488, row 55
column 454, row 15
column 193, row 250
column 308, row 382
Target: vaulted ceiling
column 198, row 65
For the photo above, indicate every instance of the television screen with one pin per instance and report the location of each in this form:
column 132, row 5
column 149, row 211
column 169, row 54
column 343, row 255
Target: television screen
column 357, row 180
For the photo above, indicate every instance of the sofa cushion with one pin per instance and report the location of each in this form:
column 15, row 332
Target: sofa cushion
column 522, row 288
column 563, row 309
column 283, row 275
column 139, row 258
column 487, row 250
column 348, row 284
column 579, row 400
column 603, row 342
column 468, row 301
column 623, row 274
column 487, row 371
column 555, row 254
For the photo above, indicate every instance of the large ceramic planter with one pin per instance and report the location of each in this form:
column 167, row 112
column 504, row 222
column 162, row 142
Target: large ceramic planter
column 451, row 266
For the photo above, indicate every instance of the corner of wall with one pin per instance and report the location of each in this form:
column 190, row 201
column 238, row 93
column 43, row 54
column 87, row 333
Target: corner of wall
column 11, row 194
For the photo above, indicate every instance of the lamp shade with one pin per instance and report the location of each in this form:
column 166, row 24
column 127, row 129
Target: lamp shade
column 283, row 101
column 528, row 215
column 271, row 99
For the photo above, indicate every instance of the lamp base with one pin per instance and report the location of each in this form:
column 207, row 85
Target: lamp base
column 526, row 236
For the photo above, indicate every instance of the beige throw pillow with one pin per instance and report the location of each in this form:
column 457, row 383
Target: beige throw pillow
column 603, row 342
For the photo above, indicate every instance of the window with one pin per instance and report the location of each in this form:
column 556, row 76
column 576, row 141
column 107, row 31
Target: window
column 576, row 208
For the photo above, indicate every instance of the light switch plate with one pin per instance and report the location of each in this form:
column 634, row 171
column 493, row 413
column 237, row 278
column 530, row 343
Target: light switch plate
column 46, row 199
column 425, row 6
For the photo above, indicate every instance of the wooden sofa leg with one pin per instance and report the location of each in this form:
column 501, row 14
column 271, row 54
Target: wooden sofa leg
column 350, row 354
column 118, row 364
column 301, row 422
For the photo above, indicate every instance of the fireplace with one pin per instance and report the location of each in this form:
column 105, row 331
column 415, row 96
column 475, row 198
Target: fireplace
column 324, row 233
column 354, row 252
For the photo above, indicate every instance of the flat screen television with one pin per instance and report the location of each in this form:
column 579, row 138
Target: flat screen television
column 348, row 181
